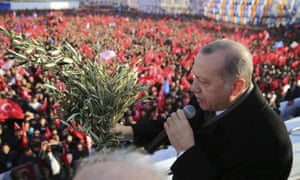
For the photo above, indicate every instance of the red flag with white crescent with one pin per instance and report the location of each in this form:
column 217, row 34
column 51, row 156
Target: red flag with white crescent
column 11, row 109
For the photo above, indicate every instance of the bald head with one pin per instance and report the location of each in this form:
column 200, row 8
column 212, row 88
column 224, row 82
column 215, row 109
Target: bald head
column 115, row 170
column 118, row 165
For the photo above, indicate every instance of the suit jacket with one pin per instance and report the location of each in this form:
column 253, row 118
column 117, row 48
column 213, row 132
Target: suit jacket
column 248, row 142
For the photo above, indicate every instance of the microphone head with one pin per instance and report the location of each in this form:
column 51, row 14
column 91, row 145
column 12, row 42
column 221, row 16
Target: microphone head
column 189, row 111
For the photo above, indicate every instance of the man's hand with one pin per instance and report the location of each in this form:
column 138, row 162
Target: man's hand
column 125, row 131
column 179, row 131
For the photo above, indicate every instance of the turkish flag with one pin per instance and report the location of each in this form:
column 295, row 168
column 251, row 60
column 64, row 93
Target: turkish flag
column 47, row 135
column 43, row 107
column 3, row 117
column 11, row 109
column 161, row 100
column 137, row 115
column 66, row 156
column 76, row 133
column 26, row 94
column 57, row 122
column 16, row 126
column 24, row 136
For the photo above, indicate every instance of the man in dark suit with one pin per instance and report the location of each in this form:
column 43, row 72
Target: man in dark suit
column 245, row 140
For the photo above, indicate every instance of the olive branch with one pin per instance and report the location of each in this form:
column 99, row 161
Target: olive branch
column 96, row 96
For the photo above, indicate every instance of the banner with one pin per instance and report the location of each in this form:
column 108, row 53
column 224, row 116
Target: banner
column 250, row 12
column 5, row 6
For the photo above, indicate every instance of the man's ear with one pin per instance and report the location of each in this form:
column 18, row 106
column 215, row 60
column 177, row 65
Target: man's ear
column 238, row 86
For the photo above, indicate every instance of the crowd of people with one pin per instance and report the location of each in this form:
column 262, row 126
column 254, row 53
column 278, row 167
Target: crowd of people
column 165, row 46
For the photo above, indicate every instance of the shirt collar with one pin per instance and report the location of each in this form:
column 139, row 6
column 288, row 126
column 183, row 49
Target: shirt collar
column 239, row 100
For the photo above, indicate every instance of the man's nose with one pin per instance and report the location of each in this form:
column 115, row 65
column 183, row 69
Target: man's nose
column 195, row 87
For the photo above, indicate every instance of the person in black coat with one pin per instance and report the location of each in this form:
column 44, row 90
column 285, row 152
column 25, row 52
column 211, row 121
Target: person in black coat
column 8, row 158
column 51, row 164
column 245, row 139
column 27, row 157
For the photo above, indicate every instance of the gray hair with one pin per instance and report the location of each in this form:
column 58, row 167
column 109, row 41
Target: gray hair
column 123, row 159
column 238, row 60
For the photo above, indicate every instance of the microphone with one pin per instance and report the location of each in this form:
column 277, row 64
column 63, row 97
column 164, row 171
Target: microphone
column 189, row 112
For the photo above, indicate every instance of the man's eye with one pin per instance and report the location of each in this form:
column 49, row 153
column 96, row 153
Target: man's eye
column 200, row 81
column 204, row 83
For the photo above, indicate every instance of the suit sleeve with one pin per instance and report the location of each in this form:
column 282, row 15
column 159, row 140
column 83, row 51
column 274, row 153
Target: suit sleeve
column 145, row 131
